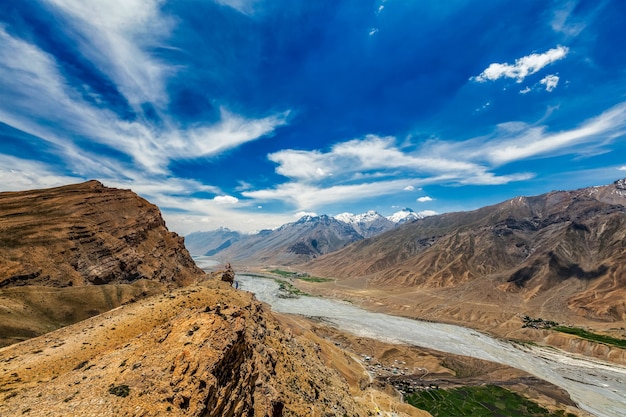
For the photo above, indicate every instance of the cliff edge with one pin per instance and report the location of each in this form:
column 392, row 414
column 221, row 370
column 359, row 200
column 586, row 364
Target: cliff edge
column 87, row 234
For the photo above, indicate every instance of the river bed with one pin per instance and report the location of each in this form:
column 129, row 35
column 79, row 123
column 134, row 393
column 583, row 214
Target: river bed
column 596, row 386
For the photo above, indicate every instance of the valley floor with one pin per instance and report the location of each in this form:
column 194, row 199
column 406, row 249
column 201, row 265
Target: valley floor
column 501, row 317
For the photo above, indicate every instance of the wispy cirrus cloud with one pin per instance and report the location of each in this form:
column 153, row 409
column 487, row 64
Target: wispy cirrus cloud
column 40, row 101
column 520, row 141
column 91, row 140
column 564, row 20
column 358, row 158
column 376, row 166
column 305, row 196
column 364, row 168
column 516, row 141
column 523, row 67
column 246, row 7
column 21, row 174
column 116, row 36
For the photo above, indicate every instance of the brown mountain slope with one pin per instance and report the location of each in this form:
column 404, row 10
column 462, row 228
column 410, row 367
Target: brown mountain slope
column 566, row 247
column 87, row 234
column 195, row 351
column 56, row 243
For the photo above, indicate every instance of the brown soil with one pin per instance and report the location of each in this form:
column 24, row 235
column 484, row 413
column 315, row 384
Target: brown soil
column 205, row 350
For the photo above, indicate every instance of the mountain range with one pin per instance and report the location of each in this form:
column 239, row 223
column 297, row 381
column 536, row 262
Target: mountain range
column 114, row 318
column 296, row 242
column 562, row 252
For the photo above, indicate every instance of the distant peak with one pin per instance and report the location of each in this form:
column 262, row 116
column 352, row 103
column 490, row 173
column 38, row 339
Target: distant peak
column 307, row 218
column 351, row 218
column 404, row 215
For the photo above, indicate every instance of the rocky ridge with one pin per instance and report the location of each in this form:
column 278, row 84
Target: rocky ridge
column 86, row 234
column 69, row 253
column 196, row 351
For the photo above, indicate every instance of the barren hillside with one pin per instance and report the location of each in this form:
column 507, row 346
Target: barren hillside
column 564, row 251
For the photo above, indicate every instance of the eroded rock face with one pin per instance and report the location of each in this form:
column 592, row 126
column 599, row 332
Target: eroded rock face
column 87, row 234
column 195, row 351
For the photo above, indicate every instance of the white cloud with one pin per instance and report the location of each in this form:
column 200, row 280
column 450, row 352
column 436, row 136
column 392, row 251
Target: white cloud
column 40, row 99
column 306, row 196
column 246, row 7
column 523, row 67
column 370, row 157
column 301, row 214
column 550, row 81
column 622, row 168
column 18, row 174
column 115, row 35
column 424, row 199
column 563, row 22
column 373, row 31
column 426, row 213
column 520, row 141
column 211, row 219
column 525, row 90
column 225, row 199
column 230, row 132
column 370, row 167
column 488, row 178
column 390, row 168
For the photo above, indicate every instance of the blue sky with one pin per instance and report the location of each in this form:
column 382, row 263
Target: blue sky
column 246, row 113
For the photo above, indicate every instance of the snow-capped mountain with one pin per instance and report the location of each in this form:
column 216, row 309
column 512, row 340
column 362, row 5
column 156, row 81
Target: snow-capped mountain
column 308, row 237
column 358, row 218
column 367, row 224
column 405, row 215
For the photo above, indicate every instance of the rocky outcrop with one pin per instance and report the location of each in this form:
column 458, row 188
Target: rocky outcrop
column 87, row 234
column 195, row 351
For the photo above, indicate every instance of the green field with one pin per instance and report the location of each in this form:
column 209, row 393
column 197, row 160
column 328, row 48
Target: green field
column 314, row 279
column 289, row 289
column 282, row 273
column 288, row 274
column 483, row 401
column 607, row 340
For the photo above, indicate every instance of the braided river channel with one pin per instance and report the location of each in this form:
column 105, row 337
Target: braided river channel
column 596, row 386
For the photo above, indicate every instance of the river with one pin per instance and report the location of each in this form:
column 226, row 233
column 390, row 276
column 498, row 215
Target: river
column 596, row 386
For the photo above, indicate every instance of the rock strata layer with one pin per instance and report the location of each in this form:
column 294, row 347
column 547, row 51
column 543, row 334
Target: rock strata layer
column 86, row 234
